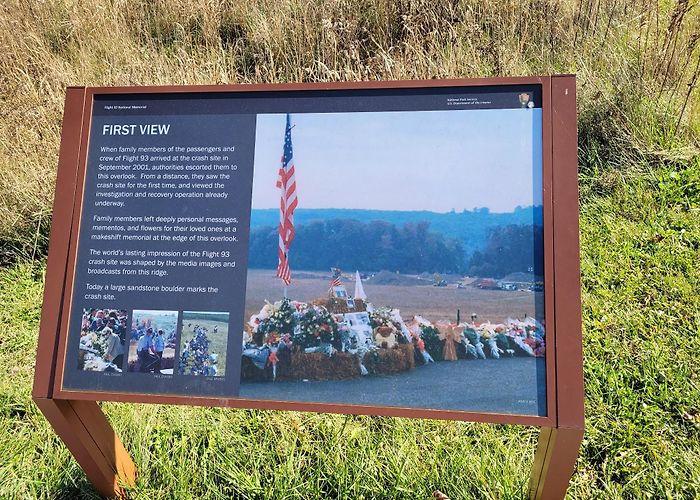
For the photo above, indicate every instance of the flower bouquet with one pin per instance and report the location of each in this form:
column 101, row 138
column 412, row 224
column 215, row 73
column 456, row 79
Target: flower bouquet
column 474, row 347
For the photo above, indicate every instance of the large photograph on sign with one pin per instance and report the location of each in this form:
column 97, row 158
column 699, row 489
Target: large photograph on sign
column 396, row 259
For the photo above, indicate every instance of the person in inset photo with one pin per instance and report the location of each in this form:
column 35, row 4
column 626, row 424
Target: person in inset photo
column 153, row 340
column 159, row 347
column 115, row 350
column 102, row 342
column 145, row 352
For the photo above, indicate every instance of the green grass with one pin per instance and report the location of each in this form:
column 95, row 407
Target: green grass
column 641, row 279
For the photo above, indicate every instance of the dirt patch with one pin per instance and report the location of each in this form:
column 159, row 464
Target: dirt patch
column 389, row 278
column 433, row 303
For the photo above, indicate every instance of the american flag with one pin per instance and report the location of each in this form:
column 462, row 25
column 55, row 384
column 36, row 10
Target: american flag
column 335, row 280
column 288, row 202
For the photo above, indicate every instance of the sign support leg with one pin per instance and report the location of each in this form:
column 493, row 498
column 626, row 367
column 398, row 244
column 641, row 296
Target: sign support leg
column 89, row 436
column 555, row 459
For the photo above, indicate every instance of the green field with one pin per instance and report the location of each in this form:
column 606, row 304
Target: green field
column 637, row 65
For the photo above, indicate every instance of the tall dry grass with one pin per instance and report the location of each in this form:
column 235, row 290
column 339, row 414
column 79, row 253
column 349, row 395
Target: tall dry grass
column 638, row 65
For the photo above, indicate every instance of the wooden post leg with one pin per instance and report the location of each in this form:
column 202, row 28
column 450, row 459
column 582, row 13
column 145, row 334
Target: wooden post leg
column 87, row 433
column 555, row 458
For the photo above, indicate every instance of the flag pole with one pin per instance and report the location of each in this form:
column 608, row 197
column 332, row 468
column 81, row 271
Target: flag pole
column 284, row 283
column 288, row 202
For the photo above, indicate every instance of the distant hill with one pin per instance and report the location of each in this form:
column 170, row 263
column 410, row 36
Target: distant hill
column 470, row 227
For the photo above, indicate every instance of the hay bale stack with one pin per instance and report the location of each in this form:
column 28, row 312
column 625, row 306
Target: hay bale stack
column 299, row 365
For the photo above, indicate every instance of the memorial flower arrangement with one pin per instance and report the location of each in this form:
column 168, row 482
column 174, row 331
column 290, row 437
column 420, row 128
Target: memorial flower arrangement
column 96, row 342
column 523, row 338
column 473, row 344
column 307, row 340
column 534, row 337
column 502, row 341
column 316, row 327
column 383, row 316
column 279, row 318
column 426, row 337
column 298, row 323
column 94, row 348
column 488, row 338
column 431, row 340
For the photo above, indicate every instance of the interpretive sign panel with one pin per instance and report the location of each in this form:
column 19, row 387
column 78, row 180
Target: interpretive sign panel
column 404, row 228
column 398, row 248
column 376, row 249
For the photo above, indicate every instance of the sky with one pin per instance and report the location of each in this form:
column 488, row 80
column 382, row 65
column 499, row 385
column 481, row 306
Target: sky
column 421, row 160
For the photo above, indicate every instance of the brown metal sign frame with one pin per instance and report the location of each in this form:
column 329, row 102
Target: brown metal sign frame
column 79, row 421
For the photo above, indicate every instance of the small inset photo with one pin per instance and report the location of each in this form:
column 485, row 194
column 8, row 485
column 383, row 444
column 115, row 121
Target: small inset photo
column 203, row 343
column 103, row 335
column 153, row 341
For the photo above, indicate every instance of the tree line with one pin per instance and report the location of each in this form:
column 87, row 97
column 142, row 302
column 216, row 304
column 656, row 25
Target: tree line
column 509, row 249
column 479, row 221
column 411, row 248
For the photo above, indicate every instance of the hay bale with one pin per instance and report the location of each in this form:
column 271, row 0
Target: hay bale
column 399, row 359
column 359, row 306
column 335, row 305
column 318, row 366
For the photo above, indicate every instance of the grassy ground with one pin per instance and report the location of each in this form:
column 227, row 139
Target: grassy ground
column 639, row 127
